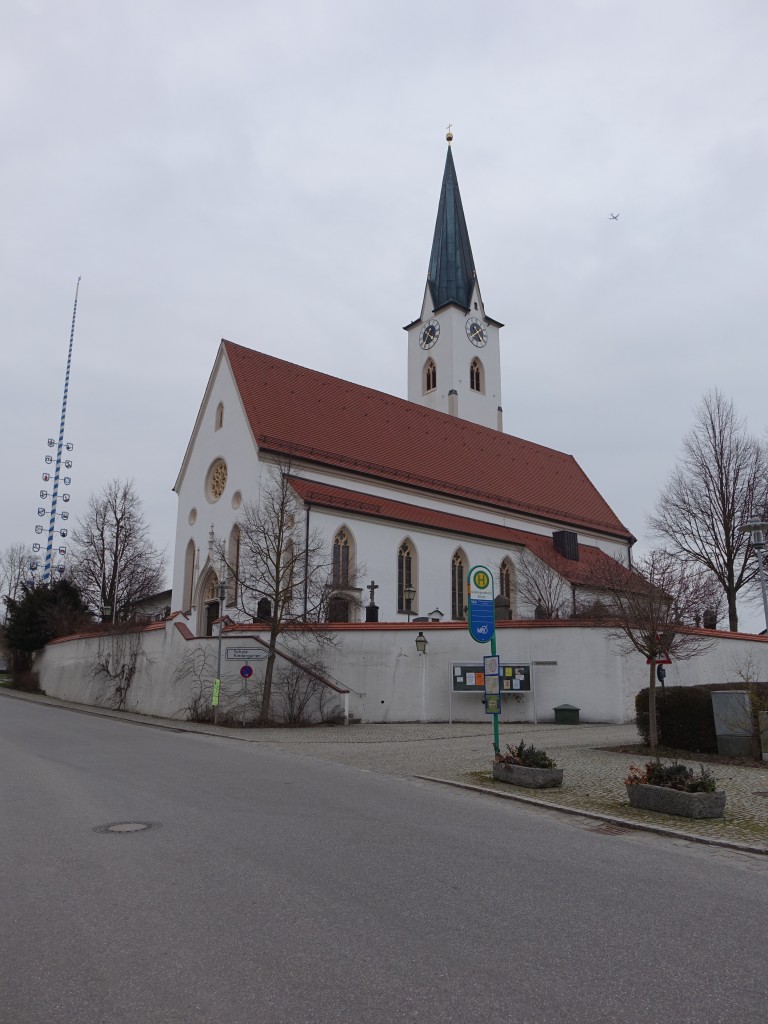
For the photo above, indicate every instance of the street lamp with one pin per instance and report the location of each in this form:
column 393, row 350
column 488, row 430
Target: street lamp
column 409, row 593
column 421, row 647
column 756, row 531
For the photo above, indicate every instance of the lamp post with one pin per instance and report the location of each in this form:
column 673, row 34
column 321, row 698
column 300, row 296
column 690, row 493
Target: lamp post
column 421, row 647
column 409, row 593
column 756, row 531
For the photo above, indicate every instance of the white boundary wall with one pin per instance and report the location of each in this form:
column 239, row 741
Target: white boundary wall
column 388, row 680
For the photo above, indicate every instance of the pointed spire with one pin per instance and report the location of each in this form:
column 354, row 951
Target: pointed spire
column 451, row 267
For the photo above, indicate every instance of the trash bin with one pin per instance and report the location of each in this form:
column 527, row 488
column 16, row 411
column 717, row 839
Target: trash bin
column 566, row 714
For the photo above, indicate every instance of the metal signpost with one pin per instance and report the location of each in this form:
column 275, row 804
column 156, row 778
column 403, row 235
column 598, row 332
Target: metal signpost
column 482, row 629
column 245, row 654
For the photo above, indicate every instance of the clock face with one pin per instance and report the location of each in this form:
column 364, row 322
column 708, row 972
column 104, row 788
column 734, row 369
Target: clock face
column 429, row 334
column 476, row 333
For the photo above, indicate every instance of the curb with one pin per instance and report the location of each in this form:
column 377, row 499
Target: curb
column 639, row 826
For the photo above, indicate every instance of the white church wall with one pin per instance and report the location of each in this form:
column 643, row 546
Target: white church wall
column 376, row 547
column 233, row 442
column 388, row 680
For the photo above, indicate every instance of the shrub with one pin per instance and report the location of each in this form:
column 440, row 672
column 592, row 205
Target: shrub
column 684, row 714
column 27, row 681
column 672, row 776
column 527, row 756
column 684, row 718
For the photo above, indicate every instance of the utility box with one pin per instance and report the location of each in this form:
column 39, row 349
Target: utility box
column 566, row 714
column 733, row 723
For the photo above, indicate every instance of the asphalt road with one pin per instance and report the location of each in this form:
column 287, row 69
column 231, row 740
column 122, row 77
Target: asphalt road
column 280, row 888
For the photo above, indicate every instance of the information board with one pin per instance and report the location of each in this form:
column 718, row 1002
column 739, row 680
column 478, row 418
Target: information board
column 470, row 678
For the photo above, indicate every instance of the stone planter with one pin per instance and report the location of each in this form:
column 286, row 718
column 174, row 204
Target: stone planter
column 531, row 778
column 673, row 801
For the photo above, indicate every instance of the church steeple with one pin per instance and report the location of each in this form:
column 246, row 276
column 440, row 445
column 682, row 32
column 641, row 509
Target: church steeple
column 453, row 348
column 451, row 267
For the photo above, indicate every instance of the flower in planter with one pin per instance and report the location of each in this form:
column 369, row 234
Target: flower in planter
column 672, row 776
column 526, row 755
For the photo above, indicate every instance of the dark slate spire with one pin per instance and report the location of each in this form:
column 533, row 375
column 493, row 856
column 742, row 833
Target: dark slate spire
column 451, row 267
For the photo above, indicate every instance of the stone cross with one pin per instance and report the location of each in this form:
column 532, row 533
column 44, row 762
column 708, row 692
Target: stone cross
column 372, row 586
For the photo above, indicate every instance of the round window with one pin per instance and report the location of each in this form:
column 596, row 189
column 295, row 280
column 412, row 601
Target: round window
column 217, row 480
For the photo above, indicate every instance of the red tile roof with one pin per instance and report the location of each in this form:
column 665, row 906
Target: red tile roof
column 348, row 502
column 304, row 414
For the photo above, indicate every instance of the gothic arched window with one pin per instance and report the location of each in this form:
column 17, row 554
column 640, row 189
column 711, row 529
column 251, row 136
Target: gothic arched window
column 233, row 559
column 476, row 375
column 458, row 575
column 189, row 572
column 507, row 586
column 406, row 575
column 340, row 559
column 430, row 375
column 219, row 416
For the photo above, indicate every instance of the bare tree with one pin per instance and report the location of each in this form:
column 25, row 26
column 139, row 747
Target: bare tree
column 542, row 587
column 283, row 575
column 14, row 571
column 720, row 482
column 654, row 608
column 112, row 559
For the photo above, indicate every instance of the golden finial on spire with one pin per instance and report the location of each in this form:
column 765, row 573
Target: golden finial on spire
column 449, row 134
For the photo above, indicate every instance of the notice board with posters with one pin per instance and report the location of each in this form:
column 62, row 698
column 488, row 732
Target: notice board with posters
column 469, row 678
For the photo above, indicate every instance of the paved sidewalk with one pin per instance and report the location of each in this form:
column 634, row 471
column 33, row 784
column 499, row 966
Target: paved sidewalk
column 461, row 754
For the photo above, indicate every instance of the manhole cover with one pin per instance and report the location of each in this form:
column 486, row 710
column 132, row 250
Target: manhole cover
column 607, row 829
column 118, row 827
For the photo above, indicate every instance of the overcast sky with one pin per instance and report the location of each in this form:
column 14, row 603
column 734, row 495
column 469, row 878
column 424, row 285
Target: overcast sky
column 270, row 173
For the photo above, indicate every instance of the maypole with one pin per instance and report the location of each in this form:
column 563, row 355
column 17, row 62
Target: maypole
column 61, row 462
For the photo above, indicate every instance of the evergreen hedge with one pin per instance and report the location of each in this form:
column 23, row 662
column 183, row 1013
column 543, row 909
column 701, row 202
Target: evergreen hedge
column 684, row 714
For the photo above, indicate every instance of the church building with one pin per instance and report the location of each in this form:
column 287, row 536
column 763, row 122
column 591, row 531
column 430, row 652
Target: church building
column 407, row 495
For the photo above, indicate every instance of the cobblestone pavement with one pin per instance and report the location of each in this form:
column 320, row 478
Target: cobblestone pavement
column 462, row 754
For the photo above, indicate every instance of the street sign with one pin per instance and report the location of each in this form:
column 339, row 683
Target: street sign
column 492, row 703
column 246, row 671
column 491, row 685
column 491, row 664
column 482, row 620
column 246, row 654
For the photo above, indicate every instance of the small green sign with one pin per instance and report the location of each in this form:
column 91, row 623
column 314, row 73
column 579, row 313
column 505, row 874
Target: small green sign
column 216, row 688
column 492, row 703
